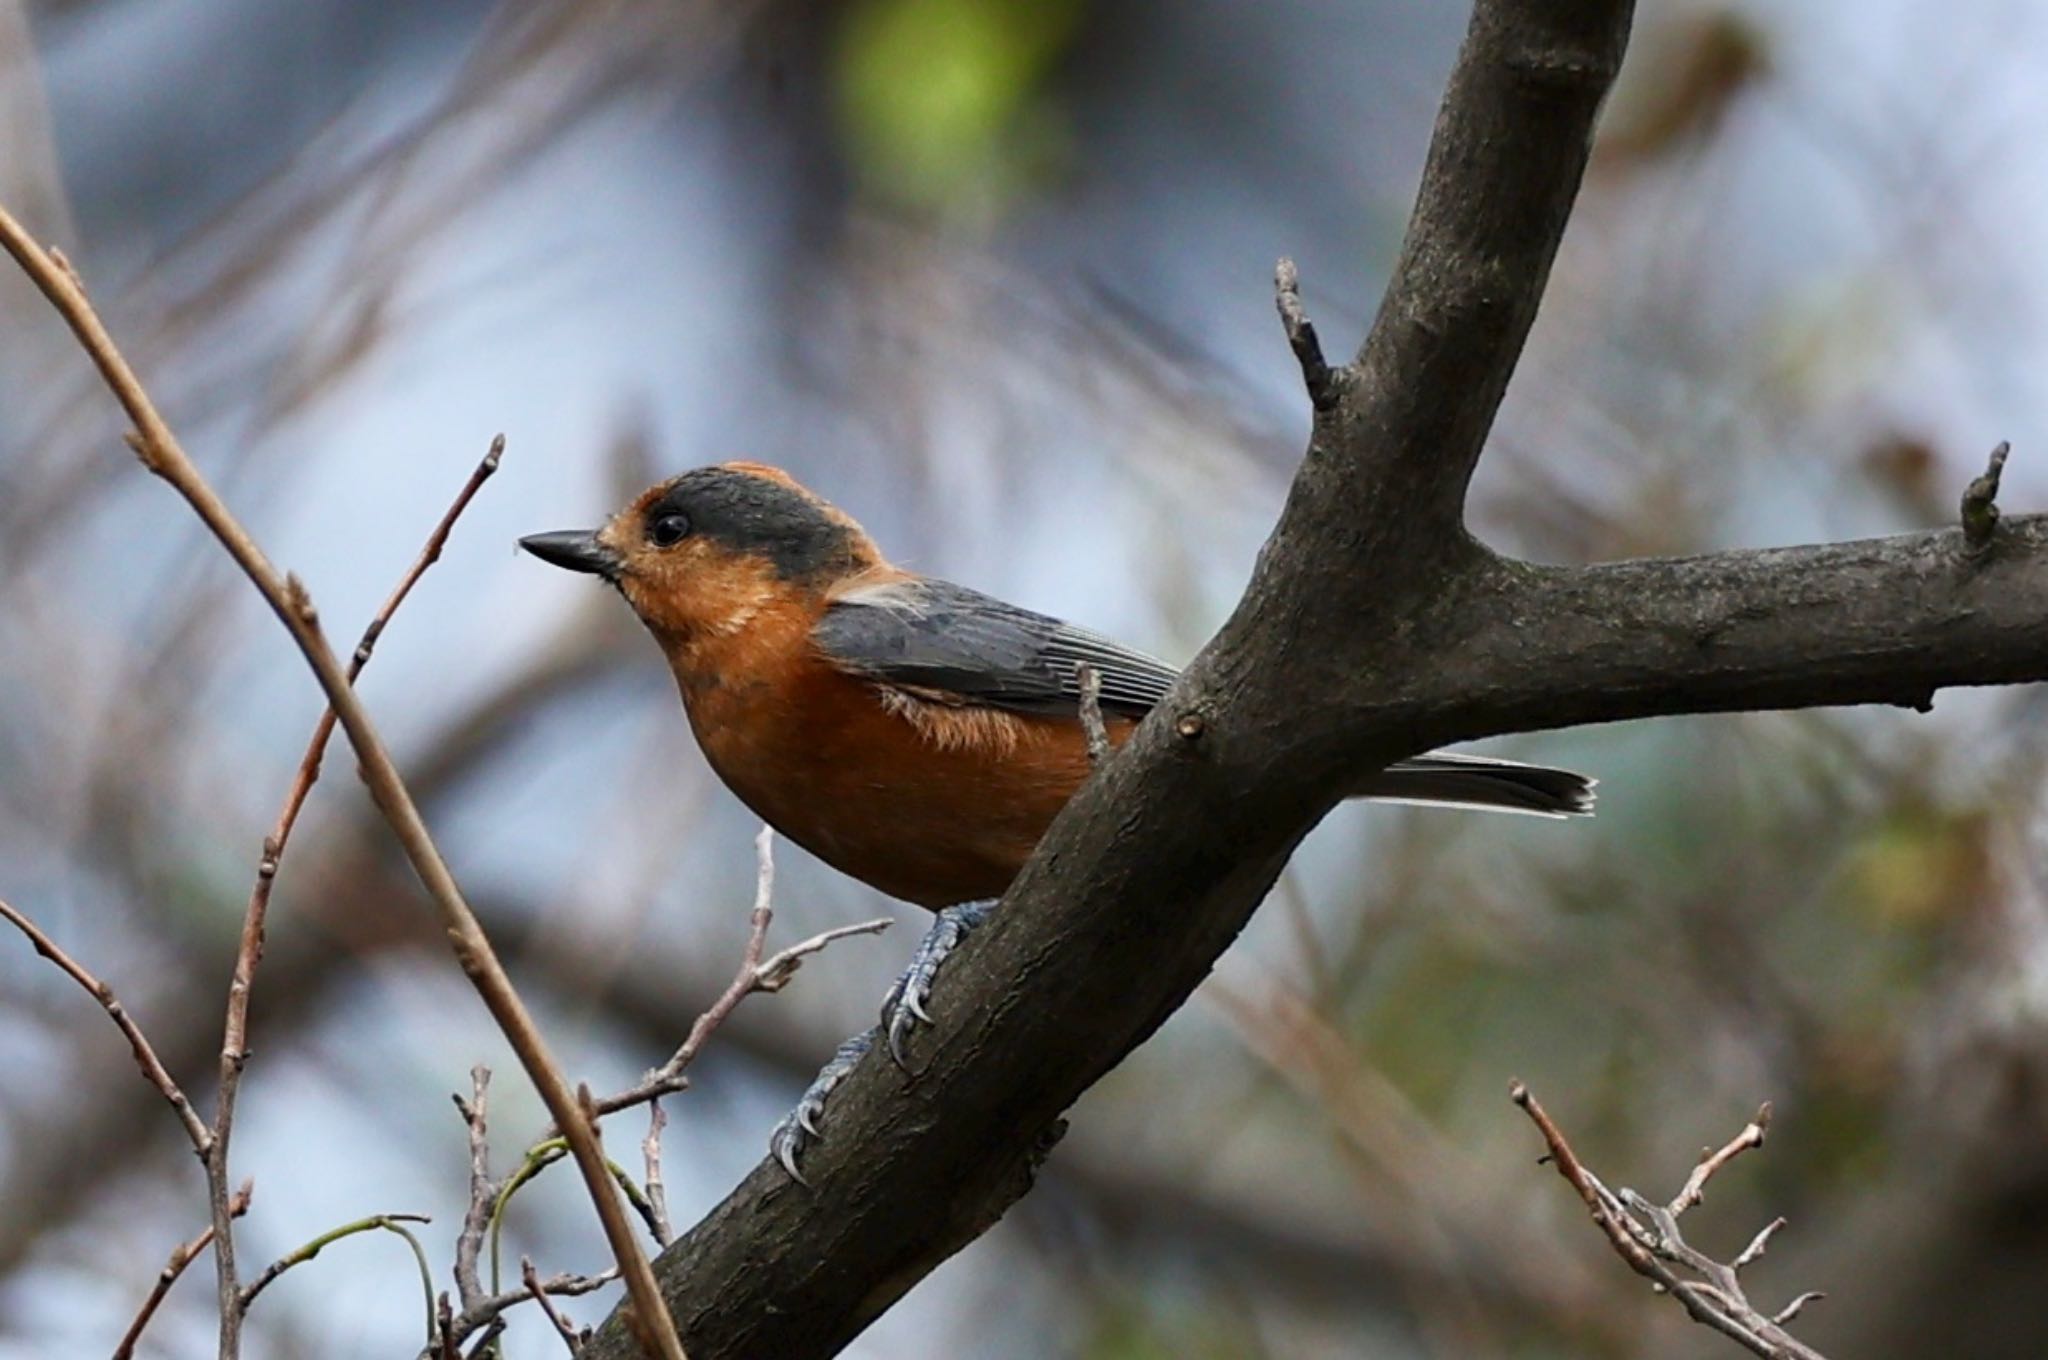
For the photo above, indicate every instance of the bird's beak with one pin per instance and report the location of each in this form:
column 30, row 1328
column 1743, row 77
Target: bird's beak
column 574, row 550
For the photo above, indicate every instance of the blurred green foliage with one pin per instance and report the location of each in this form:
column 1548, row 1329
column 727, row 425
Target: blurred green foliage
column 941, row 102
column 1134, row 1328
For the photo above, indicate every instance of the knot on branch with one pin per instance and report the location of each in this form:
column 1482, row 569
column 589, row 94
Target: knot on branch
column 1042, row 1146
column 1980, row 503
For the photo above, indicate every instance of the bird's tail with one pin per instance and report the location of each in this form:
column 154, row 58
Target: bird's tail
column 1442, row 780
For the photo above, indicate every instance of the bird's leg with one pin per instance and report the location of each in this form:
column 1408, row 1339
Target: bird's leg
column 903, row 1008
column 800, row 1126
column 902, row 1011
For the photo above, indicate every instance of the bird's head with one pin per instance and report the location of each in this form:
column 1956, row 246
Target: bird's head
column 707, row 551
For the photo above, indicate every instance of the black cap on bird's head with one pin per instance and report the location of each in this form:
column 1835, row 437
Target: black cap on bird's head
column 693, row 550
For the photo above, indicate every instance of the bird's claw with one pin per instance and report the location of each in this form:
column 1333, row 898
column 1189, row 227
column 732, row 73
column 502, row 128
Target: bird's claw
column 903, row 1009
column 799, row 1127
column 784, row 1144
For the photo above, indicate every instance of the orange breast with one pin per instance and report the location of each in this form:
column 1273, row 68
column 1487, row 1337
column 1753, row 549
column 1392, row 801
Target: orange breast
column 929, row 803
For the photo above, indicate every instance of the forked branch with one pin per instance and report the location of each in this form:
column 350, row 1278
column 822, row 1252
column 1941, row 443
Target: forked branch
column 161, row 453
column 1646, row 1235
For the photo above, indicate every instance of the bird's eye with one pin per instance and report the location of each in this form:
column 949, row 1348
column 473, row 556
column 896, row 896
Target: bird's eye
column 669, row 530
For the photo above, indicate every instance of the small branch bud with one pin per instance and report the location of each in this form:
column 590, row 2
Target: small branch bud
column 300, row 600
column 1980, row 502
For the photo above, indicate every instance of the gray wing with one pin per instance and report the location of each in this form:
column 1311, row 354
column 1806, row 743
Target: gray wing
column 941, row 638
column 934, row 635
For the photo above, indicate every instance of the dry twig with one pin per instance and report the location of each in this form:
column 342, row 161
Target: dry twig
column 444, row 1316
column 1711, row 1161
column 1645, row 1234
column 482, row 1192
column 1322, row 381
column 490, row 1310
column 534, row 1286
column 145, row 1056
column 484, row 1216
column 181, row 1256
column 161, row 453
column 657, row 1192
column 755, row 974
column 234, row 1049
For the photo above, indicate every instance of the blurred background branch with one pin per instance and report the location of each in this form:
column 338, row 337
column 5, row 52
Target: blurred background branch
column 153, row 442
column 1647, row 1237
column 968, row 269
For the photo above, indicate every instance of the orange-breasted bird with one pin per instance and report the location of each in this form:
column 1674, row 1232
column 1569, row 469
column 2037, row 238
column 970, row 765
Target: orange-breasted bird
column 913, row 733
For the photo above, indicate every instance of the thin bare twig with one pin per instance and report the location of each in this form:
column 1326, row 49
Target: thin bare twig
column 391, row 1223
column 1711, row 1161
column 477, row 1217
column 444, row 1313
column 657, row 1192
column 1757, row 1245
column 489, row 1310
column 234, row 1048
column 145, row 1056
column 562, row 1325
column 1089, row 681
column 160, row 452
column 181, row 1256
column 1322, row 381
column 755, row 974
column 759, row 971
column 1710, row 1291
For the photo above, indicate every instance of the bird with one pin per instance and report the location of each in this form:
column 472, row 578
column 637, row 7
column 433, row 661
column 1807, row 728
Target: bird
column 914, row 734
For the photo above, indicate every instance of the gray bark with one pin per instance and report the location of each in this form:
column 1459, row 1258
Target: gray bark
column 1373, row 628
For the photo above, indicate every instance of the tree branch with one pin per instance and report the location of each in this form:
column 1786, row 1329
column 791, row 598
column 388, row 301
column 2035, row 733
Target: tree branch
column 181, row 1256
column 489, row 1310
column 160, row 452
column 153, row 1070
column 1317, row 376
column 1875, row 621
column 234, row 1048
column 391, row 1223
column 1710, row 1292
column 476, row 1217
column 537, row 1288
column 1155, row 866
column 755, row 974
column 1510, row 146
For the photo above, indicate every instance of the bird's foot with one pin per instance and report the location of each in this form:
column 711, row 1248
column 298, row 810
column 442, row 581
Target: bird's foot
column 799, row 1128
column 903, row 1008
